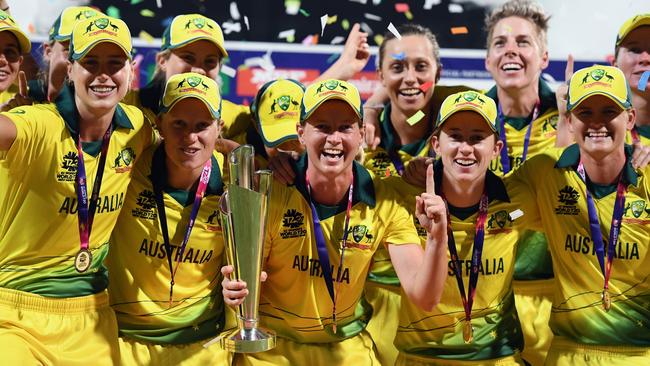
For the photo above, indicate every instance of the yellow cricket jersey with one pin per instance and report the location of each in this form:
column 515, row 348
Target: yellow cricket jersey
column 294, row 300
column 438, row 334
column 643, row 133
column 138, row 265
column 8, row 94
column 577, row 308
column 533, row 258
column 237, row 118
column 39, row 232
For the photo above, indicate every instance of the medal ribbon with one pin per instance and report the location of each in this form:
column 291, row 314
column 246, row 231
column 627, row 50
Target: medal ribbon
column 505, row 161
column 477, row 252
column 594, row 226
column 160, row 203
column 86, row 209
column 323, row 255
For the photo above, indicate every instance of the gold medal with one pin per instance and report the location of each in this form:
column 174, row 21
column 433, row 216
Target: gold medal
column 82, row 260
column 468, row 332
column 607, row 300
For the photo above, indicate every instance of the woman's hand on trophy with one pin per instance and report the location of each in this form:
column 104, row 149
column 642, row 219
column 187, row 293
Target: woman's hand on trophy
column 280, row 164
column 235, row 291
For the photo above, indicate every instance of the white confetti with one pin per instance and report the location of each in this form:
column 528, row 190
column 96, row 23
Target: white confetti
column 455, row 8
column 228, row 71
column 229, row 27
column 372, row 16
column 234, row 12
column 323, row 22
column 366, row 28
column 392, row 29
column 159, row 3
column 376, row 2
column 246, row 22
column 359, row 1
column 514, row 215
column 291, row 7
column 337, row 40
column 264, row 62
column 428, row 4
column 286, row 34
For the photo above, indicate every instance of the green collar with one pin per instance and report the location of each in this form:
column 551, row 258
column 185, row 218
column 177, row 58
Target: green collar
column 159, row 176
column 364, row 189
column 546, row 101
column 643, row 130
column 151, row 93
column 496, row 190
column 67, row 108
column 570, row 158
column 389, row 136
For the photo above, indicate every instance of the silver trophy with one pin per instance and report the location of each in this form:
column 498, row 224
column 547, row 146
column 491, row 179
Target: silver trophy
column 244, row 208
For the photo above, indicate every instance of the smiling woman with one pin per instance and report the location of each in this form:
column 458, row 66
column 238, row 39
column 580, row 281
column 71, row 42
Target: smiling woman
column 79, row 151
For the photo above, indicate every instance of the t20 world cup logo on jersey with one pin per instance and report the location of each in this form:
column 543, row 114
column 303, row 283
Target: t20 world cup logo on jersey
column 146, row 202
column 293, row 224
column 68, row 170
column 567, row 200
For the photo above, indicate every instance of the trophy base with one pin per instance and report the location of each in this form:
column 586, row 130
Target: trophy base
column 248, row 340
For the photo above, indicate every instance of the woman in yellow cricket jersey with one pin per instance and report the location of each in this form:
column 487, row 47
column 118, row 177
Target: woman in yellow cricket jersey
column 169, row 232
column 65, row 170
column 475, row 322
column 13, row 44
column 314, row 302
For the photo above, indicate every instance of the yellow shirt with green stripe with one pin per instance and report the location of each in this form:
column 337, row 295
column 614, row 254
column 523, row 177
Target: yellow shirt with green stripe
column 577, row 308
column 643, row 132
column 138, row 265
column 438, row 334
column 236, row 118
column 294, row 300
column 533, row 258
column 38, row 211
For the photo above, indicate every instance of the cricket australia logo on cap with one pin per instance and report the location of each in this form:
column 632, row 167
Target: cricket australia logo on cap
column 193, row 82
column 284, row 102
column 102, row 24
column 199, row 24
column 596, row 75
column 124, row 160
column 5, row 18
column 331, row 86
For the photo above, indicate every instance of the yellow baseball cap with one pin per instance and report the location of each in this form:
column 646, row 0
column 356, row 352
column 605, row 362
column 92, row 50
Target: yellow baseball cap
column 630, row 25
column 468, row 101
column 599, row 80
column 7, row 23
column 187, row 28
column 192, row 85
column 276, row 110
column 61, row 30
column 320, row 92
column 88, row 33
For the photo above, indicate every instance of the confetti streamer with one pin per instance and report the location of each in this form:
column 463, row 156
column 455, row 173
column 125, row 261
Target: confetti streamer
column 514, row 215
column 459, row 30
column 372, row 17
column 399, row 56
column 30, row 28
column 331, row 20
column 643, row 81
column 345, row 24
column 409, row 15
column 159, row 3
column 402, row 7
column 234, row 11
column 366, row 28
column 310, row 40
column 146, row 37
column 230, row 27
column 323, row 22
column 392, row 29
column 228, row 71
column 112, row 11
column 147, row 13
column 288, row 34
column 264, row 62
column 417, row 117
column 359, row 1
column 455, row 8
column 428, row 4
column 337, row 40
column 133, row 2
column 291, row 7
column 378, row 39
column 426, row 86
column 248, row 27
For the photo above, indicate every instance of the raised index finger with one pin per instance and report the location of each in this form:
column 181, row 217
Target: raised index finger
column 568, row 72
column 22, row 84
column 431, row 184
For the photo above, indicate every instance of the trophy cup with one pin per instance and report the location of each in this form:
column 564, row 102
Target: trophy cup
column 243, row 214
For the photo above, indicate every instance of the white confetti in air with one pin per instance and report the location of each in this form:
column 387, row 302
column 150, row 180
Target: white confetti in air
column 428, row 4
column 264, row 62
column 248, row 27
column 286, row 34
column 228, row 71
column 392, row 29
column 323, row 22
column 159, row 3
column 229, row 27
column 372, row 16
column 359, row 1
column 514, row 215
column 455, row 8
column 234, row 12
column 337, row 40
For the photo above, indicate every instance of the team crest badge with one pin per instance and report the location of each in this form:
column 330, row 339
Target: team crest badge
column 101, row 23
column 359, row 232
column 501, row 218
column 199, row 22
column 597, row 74
column 469, row 96
column 331, row 84
column 284, row 102
column 638, row 207
column 193, row 81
